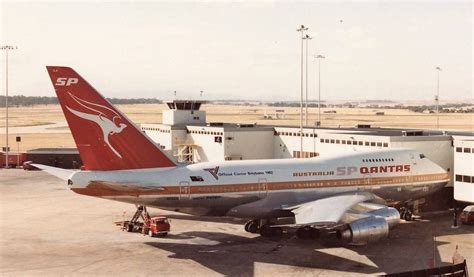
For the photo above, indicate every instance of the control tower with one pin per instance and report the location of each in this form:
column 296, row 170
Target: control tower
column 184, row 112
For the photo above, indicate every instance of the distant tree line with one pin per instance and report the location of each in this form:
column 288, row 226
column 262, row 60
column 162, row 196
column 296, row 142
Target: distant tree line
column 294, row 104
column 448, row 108
column 25, row 101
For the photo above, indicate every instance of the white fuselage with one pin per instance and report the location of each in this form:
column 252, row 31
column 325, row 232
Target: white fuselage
column 219, row 188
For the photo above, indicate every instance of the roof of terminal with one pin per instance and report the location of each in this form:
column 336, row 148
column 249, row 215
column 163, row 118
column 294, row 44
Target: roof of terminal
column 53, row 151
column 371, row 131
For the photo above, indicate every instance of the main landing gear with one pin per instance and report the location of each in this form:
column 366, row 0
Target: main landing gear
column 262, row 227
column 265, row 229
column 253, row 226
column 406, row 213
column 307, row 233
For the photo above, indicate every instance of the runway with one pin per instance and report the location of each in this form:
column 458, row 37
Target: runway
column 46, row 229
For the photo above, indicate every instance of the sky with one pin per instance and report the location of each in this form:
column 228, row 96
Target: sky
column 243, row 50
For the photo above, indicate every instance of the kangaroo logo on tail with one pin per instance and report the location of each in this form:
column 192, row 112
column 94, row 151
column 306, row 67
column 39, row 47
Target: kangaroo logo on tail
column 106, row 124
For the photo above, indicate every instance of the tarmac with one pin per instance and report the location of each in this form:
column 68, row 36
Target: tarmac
column 46, row 229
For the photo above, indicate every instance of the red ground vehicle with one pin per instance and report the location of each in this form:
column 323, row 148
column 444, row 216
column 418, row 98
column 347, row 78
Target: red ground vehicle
column 467, row 215
column 153, row 226
column 158, row 226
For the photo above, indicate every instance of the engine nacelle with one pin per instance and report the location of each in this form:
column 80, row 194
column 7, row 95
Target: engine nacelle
column 391, row 215
column 365, row 230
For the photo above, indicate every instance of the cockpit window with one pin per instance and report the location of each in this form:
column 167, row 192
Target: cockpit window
column 422, row 156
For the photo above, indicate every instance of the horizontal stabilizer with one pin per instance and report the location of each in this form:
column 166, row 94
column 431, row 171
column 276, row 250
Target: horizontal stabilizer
column 61, row 173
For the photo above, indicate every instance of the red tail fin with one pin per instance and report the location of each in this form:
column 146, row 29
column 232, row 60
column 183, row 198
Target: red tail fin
column 105, row 138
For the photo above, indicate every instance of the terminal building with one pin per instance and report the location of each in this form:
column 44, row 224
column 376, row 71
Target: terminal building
column 464, row 168
column 187, row 138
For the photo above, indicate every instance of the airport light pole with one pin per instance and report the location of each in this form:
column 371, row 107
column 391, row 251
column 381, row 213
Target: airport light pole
column 301, row 29
column 6, row 48
column 438, row 69
column 319, row 57
column 307, row 38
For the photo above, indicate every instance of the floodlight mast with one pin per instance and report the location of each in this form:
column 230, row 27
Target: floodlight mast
column 307, row 38
column 319, row 57
column 302, row 29
column 438, row 70
column 6, row 48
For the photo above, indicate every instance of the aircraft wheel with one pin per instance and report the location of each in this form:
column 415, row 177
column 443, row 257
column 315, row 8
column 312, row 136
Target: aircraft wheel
column 403, row 211
column 277, row 231
column 307, row 233
column 408, row 216
column 252, row 226
column 265, row 231
column 302, row 233
column 247, row 225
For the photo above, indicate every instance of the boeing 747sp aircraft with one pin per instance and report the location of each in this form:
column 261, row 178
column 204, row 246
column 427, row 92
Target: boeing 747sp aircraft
column 343, row 194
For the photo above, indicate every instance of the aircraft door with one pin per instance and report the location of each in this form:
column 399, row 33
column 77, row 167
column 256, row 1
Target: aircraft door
column 367, row 183
column 262, row 187
column 412, row 158
column 184, row 190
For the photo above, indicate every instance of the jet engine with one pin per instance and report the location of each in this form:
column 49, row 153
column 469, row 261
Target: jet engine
column 391, row 215
column 365, row 230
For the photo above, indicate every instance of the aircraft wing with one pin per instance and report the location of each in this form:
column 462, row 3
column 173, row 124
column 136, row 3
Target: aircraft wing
column 325, row 211
column 329, row 210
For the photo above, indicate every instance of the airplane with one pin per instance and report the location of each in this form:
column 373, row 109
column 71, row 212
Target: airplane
column 343, row 194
